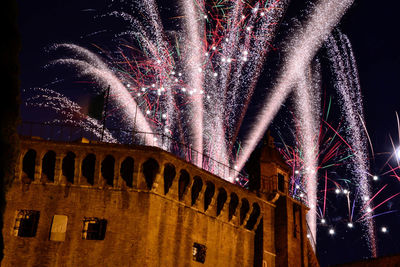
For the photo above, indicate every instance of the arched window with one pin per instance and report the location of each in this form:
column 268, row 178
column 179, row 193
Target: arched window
column 127, row 171
column 244, row 209
column 221, row 199
column 208, row 195
column 233, row 205
column 88, row 167
column 184, row 180
column 196, row 188
column 28, row 164
column 169, row 176
column 107, row 169
column 150, row 170
column 253, row 216
column 68, row 167
column 48, row 166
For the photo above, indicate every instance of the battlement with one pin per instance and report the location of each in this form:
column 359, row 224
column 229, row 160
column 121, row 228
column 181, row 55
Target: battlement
column 135, row 168
column 90, row 203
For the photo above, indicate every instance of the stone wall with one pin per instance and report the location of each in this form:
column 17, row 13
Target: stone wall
column 292, row 243
column 156, row 206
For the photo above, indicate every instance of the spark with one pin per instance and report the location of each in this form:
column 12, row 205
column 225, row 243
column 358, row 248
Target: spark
column 218, row 60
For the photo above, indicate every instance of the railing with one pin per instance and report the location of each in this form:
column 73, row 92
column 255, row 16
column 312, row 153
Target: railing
column 68, row 133
column 271, row 184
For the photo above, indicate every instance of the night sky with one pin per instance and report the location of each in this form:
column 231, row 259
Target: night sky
column 372, row 28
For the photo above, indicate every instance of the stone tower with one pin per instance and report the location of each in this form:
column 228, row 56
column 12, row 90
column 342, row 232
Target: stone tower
column 290, row 231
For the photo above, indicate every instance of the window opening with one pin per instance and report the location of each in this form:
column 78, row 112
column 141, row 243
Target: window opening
column 199, row 252
column 255, row 213
column 196, row 188
column 169, row 175
column 107, row 169
column 68, row 167
column 88, row 167
column 48, row 166
column 94, row 229
column 26, row 223
column 221, row 199
column 28, row 164
column 244, row 209
column 233, row 205
column 127, row 171
column 208, row 195
column 183, row 183
column 150, row 170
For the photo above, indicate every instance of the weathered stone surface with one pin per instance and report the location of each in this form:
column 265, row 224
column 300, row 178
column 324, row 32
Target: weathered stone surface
column 148, row 223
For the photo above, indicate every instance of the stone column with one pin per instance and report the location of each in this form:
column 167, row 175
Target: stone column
column 58, row 167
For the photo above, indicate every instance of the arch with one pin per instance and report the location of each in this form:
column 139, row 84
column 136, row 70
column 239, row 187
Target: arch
column 184, row 180
column 127, row 171
column 208, row 194
column 150, row 170
column 68, row 167
column 88, row 168
column 196, row 188
column 169, row 176
column 107, row 169
column 233, row 203
column 48, row 166
column 28, row 164
column 244, row 209
column 253, row 216
column 221, row 199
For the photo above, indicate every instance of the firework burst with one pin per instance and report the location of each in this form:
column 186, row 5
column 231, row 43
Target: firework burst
column 195, row 84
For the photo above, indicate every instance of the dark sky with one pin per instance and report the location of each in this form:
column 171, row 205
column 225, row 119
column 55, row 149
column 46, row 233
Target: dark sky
column 372, row 27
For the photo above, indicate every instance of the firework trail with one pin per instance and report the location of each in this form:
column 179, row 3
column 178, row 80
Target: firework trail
column 245, row 84
column 307, row 110
column 196, row 84
column 301, row 49
column 193, row 23
column 212, row 60
column 94, row 67
column 340, row 53
column 70, row 111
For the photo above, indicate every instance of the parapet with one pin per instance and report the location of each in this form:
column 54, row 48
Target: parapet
column 136, row 168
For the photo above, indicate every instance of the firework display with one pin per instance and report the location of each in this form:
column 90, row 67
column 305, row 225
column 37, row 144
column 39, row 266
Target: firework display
column 188, row 86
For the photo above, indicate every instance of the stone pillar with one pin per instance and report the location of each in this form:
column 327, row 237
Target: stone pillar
column 78, row 167
column 117, row 172
column 58, row 167
column 136, row 172
column 97, row 170
column 38, row 166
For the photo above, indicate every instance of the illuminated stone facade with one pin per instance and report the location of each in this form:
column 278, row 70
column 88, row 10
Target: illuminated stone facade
column 97, row 204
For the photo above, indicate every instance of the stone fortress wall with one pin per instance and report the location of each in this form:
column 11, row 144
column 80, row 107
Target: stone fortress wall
column 86, row 203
